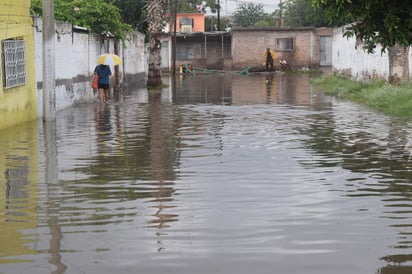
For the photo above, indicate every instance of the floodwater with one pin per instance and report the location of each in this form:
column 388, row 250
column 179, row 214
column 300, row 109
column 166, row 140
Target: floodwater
column 217, row 173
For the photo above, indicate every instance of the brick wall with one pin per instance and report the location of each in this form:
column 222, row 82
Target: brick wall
column 249, row 45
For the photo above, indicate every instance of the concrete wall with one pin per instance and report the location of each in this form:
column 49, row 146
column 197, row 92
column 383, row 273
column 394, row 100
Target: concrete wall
column 349, row 59
column 18, row 104
column 76, row 52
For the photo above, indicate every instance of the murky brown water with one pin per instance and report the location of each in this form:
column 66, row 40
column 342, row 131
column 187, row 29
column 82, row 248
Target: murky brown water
column 229, row 174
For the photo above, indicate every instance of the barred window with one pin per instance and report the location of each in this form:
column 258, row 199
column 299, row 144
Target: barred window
column 14, row 63
column 186, row 28
column 186, row 24
column 284, row 44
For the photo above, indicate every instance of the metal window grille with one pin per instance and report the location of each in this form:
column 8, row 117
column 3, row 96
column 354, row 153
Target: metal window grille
column 14, row 63
column 186, row 28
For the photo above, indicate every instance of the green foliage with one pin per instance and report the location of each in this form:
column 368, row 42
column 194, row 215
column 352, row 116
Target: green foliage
column 35, row 7
column 301, row 13
column 193, row 6
column 211, row 23
column 267, row 20
column 98, row 16
column 187, row 6
column 390, row 99
column 133, row 13
column 248, row 14
column 383, row 22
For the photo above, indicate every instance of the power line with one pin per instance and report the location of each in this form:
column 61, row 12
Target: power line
column 251, row 1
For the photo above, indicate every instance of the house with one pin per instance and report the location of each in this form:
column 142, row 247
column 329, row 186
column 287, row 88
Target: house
column 193, row 45
column 306, row 47
column 239, row 48
column 209, row 50
column 18, row 84
column 189, row 22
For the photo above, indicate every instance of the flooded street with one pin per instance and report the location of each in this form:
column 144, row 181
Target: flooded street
column 218, row 173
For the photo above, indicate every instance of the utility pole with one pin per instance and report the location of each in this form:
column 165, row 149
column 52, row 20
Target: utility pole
column 173, row 12
column 49, row 82
column 218, row 15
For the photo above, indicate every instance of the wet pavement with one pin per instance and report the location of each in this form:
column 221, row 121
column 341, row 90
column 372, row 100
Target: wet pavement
column 218, row 173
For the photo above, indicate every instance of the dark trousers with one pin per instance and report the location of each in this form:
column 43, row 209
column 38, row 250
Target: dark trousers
column 269, row 64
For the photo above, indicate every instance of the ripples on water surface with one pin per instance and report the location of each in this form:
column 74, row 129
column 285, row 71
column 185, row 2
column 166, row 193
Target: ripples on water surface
column 238, row 175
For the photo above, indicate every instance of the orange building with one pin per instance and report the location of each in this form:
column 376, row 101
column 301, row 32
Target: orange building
column 189, row 22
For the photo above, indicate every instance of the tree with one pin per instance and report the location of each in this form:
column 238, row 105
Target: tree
column 133, row 12
column 247, row 14
column 383, row 22
column 96, row 15
column 299, row 13
column 156, row 11
column 266, row 20
column 211, row 23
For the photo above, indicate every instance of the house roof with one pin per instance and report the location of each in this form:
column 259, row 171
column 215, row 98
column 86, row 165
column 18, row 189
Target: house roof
column 199, row 34
column 272, row 28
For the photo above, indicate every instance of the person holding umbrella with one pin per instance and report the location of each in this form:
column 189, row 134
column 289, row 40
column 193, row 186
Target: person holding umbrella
column 104, row 72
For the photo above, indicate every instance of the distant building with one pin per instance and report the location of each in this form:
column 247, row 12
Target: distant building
column 239, row 48
column 307, row 47
column 189, row 22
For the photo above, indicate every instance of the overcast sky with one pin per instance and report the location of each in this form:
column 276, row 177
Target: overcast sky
column 229, row 6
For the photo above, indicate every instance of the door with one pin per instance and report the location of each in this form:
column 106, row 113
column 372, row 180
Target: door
column 164, row 55
column 325, row 50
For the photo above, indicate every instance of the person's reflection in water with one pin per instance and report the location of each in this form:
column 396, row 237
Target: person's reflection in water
column 269, row 80
column 103, row 128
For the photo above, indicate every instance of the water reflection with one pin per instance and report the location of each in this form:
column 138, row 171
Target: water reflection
column 232, row 89
column 373, row 150
column 215, row 173
column 19, row 195
column 54, row 199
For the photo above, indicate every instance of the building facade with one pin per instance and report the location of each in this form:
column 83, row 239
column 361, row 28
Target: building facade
column 189, row 22
column 240, row 48
column 17, row 106
column 306, row 47
column 18, row 101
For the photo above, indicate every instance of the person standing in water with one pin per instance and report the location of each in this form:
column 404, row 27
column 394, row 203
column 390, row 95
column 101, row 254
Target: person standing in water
column 269, row 57
column 104, row 72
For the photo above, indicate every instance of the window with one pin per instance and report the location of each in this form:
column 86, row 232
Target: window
column 186, row 28
column 186, row 24
column 285, row 44
column 14, row 63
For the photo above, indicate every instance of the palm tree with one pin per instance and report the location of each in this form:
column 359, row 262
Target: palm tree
column 156, row 16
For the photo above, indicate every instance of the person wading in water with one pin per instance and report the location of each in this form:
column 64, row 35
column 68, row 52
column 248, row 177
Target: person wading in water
column 269, row 57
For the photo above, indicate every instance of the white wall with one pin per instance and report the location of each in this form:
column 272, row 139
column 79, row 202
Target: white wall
column 75, row 54
column 353, row 61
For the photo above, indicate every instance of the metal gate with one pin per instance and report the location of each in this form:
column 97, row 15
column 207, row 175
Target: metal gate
column 164, row 53
column 325, row 50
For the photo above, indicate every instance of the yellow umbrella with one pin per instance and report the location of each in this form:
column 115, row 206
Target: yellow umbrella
column 109, row 59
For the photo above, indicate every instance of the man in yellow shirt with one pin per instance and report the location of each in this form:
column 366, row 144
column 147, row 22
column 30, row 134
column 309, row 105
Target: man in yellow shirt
column 269, row 56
